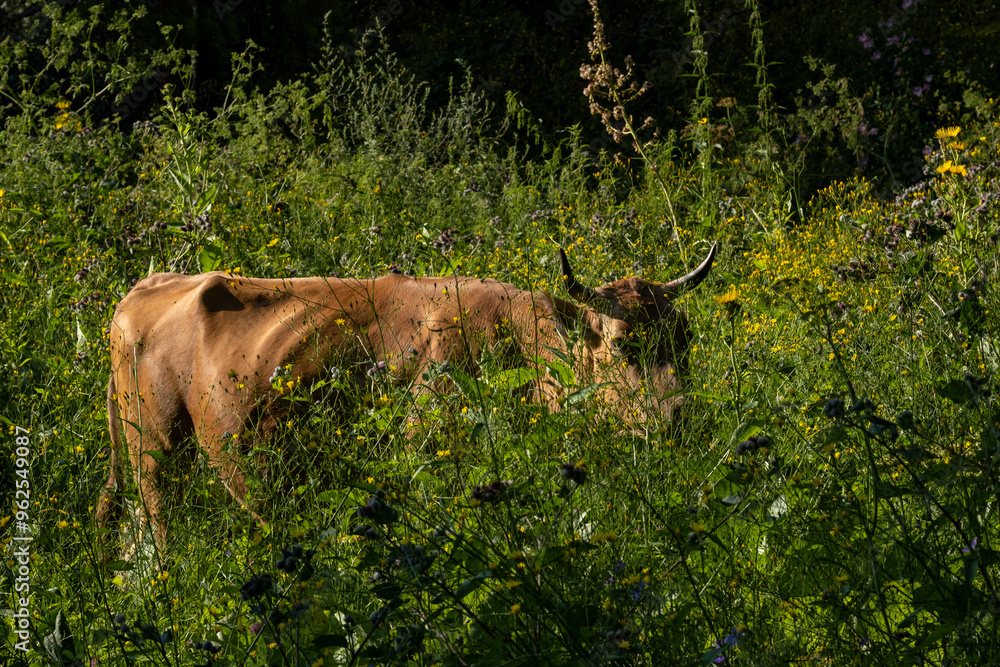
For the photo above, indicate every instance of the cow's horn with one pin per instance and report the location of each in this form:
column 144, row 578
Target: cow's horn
column 578, row 291
column 696, row 276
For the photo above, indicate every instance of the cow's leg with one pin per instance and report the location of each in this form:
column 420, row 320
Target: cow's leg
column 145, row 434
column 234, row 480
column 217, row 427
column 151, row 500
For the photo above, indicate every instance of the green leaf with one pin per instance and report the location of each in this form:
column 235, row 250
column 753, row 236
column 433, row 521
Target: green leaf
column 877, row 426
column 747, row 429
column 559, row 354
column 468, row 385
column 835, row 433
column 934, row 637
column 81, row 339
column 956, row 391
column 709, row 658
column 580, row 618
column 561, row 372
column 477, row 431
column 119, row 566
column 210, row 257
column 583, row 394
column 511, row 379
column 13, row 278
column 331, row 496
column 387, row 591
column 470, row 585
column 157, row 455
column 205, row 200
column 778, row 508
column 59, row 645
column 736, row 475
column 971, row 568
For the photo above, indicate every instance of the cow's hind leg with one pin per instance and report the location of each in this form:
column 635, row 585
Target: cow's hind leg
column 234, row 480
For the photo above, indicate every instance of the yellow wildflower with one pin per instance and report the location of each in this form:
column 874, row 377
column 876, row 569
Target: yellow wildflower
column 947, row 132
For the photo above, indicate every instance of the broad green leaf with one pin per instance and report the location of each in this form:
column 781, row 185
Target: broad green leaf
column 933, row 638
column 157, row 456
column 561, row 372
column 468, row 385
column 778, row 508
column 583, row 394
column 511, row 379
column 747, row 429
column 956, row 391
column 470, row 585
column 210, row 257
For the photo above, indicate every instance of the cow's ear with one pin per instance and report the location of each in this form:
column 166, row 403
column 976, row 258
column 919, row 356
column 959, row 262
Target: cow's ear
column 592, row 327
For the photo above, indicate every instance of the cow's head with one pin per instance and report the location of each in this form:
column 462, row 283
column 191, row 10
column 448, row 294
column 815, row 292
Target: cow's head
column 636, row 340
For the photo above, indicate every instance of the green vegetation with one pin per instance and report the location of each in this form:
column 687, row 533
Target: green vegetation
column 829, row 497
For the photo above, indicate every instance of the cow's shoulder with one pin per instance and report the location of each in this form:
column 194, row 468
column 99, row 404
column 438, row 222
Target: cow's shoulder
column 170, row 283
column 161, row 294
column 152, row 296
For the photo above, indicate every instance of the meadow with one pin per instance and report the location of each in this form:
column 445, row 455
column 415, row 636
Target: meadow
column 828, row 497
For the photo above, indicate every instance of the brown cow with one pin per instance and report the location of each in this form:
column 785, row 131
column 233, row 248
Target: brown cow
column 194, row 355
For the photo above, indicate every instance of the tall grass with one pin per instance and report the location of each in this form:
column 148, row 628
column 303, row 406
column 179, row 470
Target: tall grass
column 829, row 496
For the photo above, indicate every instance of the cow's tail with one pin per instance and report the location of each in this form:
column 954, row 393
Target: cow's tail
column 109, row 506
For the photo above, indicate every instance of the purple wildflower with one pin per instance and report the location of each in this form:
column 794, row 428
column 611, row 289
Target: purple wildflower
column 636, row 594
column 972, row 546
column 877, row 55
column 730, row 641
column 918, row 91
column 926, row 51
column 866, row 41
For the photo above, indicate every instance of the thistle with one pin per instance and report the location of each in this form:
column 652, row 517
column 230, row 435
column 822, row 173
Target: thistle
column 609, row 91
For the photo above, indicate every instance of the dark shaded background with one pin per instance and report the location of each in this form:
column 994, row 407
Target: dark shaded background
column 536, row 49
